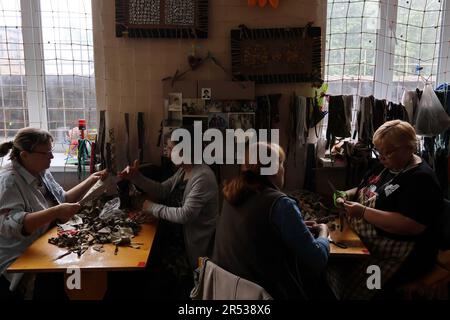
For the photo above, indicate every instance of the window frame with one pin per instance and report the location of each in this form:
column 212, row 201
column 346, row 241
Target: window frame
column 35, row 75
column 385, row 50
column 34, row 63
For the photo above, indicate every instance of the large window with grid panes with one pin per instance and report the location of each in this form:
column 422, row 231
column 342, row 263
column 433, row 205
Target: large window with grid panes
column 383, row 47
column 46, row 66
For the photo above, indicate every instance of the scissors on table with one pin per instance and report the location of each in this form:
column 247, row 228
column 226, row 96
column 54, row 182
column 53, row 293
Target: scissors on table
column 337, row 244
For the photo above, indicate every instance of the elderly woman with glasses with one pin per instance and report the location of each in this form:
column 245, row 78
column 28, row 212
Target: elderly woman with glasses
column 30, row 199
column 392, row 210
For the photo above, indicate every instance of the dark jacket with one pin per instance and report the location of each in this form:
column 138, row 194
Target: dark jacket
column 249, row 246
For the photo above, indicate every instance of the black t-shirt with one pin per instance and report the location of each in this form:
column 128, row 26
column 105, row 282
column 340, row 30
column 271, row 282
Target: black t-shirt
column 414, row 193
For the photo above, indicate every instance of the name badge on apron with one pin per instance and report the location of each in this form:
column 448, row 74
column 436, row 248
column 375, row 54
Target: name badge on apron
column 390, row 189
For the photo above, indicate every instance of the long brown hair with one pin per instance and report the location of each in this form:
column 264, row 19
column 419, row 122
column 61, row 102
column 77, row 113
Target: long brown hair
column 26, row 139
column 250, row 181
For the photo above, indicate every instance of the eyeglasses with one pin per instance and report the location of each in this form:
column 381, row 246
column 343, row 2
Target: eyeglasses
column 46, row 153
column 388, row 155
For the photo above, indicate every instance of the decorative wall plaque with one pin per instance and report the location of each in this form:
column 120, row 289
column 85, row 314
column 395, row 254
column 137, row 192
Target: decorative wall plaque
column 277, row 55
column 162, row 18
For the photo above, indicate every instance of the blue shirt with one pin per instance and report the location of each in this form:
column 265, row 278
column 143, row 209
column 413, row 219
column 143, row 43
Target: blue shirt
column 313, row 253
column 20, row 195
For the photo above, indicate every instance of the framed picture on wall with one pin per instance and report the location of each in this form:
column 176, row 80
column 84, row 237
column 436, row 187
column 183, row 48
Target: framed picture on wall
column 242, row 121
column 162, row 19
column 175, row 101
column 193, row 107
column 279, row 55
column 218, row 121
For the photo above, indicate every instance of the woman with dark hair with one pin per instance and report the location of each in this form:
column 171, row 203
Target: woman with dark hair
column 30, row 199
column 187, row 204
column 261, row 235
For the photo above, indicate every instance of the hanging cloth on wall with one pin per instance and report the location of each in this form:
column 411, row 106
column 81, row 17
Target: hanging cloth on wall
column 440, row 160
column 309, row 168
column 359, row 160
column 111, row 150
column 442, row 140
column 338, row 126
column 108, row 157
column 267, row 112
column 297, row 128
column 123, row 186
column 396, row 111
column 364, row 123
column 262, row 113
column 314, row 113
column 409, row 101
column 101, row 138
column 348, row 107
column 378, row 113
column 141, row 135
column 443, row 94
column 83, row 156
column 127, row 136
column 302, row 127
column 292, row 127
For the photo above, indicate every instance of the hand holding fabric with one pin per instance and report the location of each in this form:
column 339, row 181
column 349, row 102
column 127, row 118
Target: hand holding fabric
column 130, row 171
column 354, row 209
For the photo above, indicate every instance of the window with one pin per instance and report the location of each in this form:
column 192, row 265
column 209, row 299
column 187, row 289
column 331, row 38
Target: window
column 14, row 111
column 382, row 47
column 47, row 66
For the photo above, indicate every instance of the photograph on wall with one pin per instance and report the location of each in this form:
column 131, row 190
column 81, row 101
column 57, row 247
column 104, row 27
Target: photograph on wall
column 206, row 93
column 218, row 121
column 248, row 106
column 242, row 121
column 214, row 106
column 193, row 107
column 175, row 101
column 231, row 105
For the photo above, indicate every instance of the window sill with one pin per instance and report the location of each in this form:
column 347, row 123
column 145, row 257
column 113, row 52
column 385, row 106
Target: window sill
column 58, row 164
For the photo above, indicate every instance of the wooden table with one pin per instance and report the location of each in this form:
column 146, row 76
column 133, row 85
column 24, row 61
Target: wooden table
column 93, row 265
column 355, row 247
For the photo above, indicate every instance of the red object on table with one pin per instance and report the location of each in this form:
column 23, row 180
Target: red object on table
column 82, row 127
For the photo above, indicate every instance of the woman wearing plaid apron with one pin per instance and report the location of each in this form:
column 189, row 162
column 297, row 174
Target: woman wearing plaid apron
column 391, row 211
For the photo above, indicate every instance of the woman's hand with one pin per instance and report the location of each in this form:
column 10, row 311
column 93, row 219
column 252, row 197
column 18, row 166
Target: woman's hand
column 354, row 209
column 339, row 197
column 130, row 171
column 147, row 205
column 99, row 175
column 317, row 229
column 66, row 211
column 146, row 208
column 341, row 200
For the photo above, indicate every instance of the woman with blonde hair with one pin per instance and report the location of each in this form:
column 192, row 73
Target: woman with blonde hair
column 261, row 235
column 392, row 210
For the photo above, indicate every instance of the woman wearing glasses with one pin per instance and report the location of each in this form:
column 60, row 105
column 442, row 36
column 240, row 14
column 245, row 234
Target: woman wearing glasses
column 392, row 210
column 30, row 199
